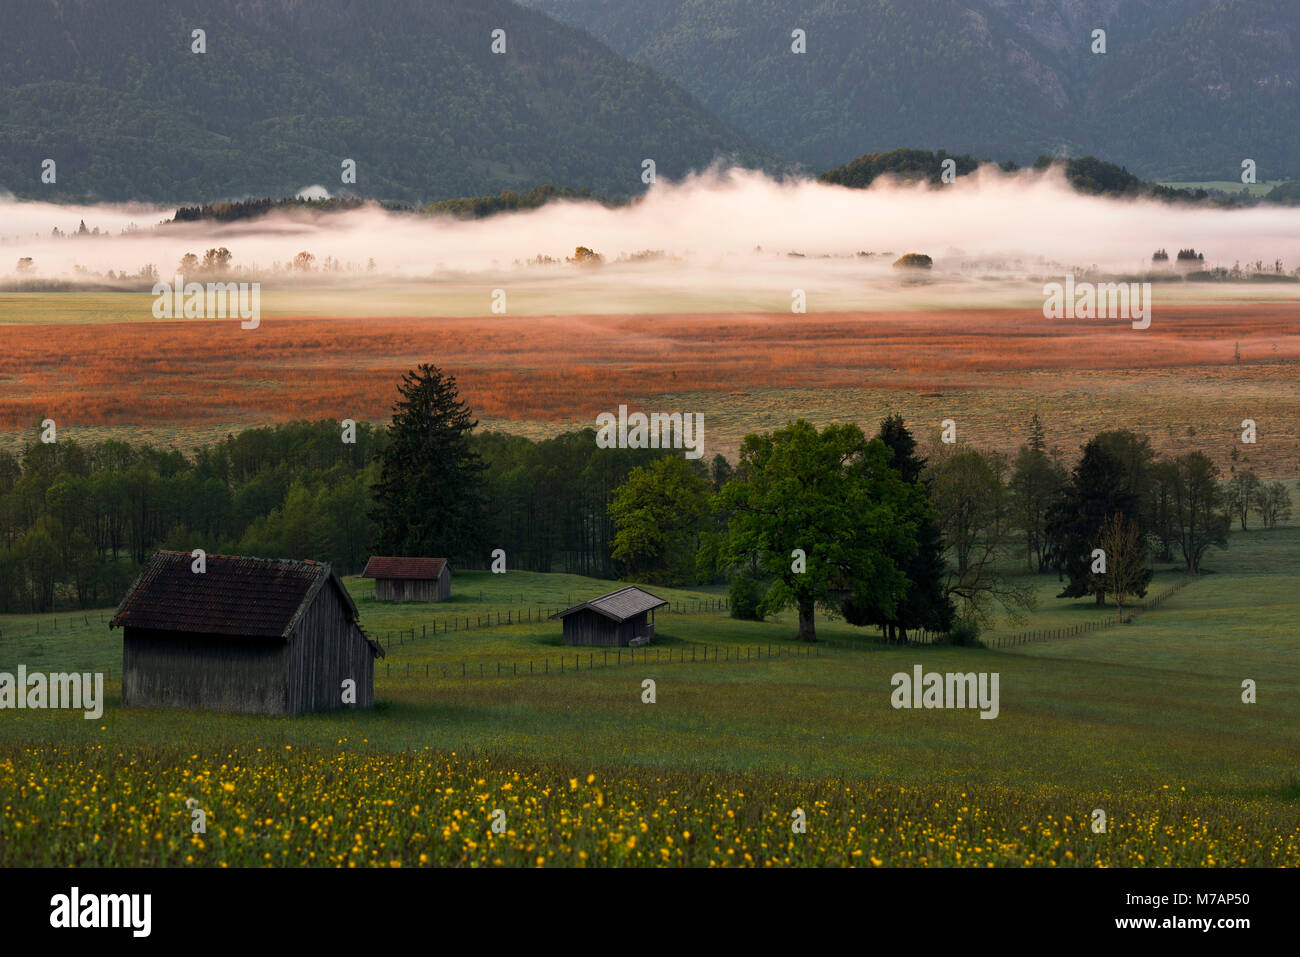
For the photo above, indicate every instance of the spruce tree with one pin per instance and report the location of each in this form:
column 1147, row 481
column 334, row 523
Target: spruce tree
column 428, row 499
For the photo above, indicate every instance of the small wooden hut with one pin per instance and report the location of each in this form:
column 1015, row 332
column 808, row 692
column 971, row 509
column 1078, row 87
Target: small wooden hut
column 409, row 579
column 623, row 618
column 252, row 635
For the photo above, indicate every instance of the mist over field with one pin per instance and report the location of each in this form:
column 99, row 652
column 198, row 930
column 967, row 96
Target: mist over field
column 729, row 229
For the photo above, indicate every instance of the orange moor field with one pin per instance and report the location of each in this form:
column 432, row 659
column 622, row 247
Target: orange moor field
column 988, row 369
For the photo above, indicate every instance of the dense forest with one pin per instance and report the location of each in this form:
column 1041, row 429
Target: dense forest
column 1186, row 89
column 285, row 92
column 76, row 521
column 1087, row 174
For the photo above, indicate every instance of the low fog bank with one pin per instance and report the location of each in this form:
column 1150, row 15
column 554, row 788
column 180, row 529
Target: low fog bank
column 726, row 231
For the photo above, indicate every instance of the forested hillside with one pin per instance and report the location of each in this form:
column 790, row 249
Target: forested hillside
column 1186, row 88
column 409, row 89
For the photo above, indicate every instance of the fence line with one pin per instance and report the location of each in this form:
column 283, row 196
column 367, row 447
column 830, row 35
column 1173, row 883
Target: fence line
column 923, row 637
column 489, row 619
column 1110, row 621
column 530, row 615
column 604, row 658
column 52, row 625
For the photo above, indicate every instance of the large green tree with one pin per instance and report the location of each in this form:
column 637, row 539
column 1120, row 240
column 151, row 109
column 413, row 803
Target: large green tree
column 926, row 603
column 1200, row 519
column 428, row 498
column 833, row 497
column 660, row 514
column 1099, row 487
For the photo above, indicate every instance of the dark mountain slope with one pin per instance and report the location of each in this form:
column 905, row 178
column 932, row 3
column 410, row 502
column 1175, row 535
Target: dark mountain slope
column 286, row 90
column 1186, row 87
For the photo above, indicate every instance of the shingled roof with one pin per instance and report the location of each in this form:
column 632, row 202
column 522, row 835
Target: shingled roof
column 381, row 566
column 618, row 605
column 254, row 597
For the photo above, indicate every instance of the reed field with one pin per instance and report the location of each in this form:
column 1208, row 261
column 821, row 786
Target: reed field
column 100, row 374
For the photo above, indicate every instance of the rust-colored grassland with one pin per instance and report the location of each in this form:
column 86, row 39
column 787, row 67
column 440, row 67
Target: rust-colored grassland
column 988, row 369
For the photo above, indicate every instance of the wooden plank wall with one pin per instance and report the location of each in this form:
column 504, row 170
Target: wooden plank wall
column 413, row 589
column 163, row 669
column 326, row 648
column 586, row 627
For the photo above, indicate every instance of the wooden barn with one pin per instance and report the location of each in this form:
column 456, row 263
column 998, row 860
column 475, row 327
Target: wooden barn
column 251, row 635
column 622, row 618
column 409, row 579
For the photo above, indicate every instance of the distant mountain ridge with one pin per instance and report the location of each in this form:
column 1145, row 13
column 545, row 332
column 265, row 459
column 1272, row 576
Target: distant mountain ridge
column 1187, row 89
column 409, row 89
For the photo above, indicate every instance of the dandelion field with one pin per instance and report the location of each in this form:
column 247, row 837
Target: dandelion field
column 316, row 808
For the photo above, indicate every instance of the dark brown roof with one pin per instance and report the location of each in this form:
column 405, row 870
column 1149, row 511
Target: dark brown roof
column 618, row 605
column 256, row 597
column 380, row 566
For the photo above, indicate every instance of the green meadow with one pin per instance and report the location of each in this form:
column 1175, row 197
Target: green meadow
column 1115, row 718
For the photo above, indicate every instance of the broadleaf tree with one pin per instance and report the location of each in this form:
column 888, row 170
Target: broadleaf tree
column 833, row 495
column 660, row 513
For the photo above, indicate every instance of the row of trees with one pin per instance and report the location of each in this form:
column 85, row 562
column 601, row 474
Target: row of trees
column 76, row 520
column 887, row 538
column 807, row 518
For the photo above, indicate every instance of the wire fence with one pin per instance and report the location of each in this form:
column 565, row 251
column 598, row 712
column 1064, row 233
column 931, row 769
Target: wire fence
column 520, row 616
column 532, row 614
column 492, row 618
column 52, row 627
column 596, row 659
column 1124, row 616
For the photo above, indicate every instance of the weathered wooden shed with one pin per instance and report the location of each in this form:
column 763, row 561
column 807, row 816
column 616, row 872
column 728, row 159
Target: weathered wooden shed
column 622, row 618
column 409, row 579
column 251, row 635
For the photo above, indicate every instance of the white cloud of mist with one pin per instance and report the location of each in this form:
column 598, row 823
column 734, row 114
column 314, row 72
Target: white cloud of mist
column 990, row 224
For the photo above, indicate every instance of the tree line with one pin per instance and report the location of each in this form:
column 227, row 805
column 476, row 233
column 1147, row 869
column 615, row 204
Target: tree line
column 872, row 531
column 78, row 519
column 864, row 526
